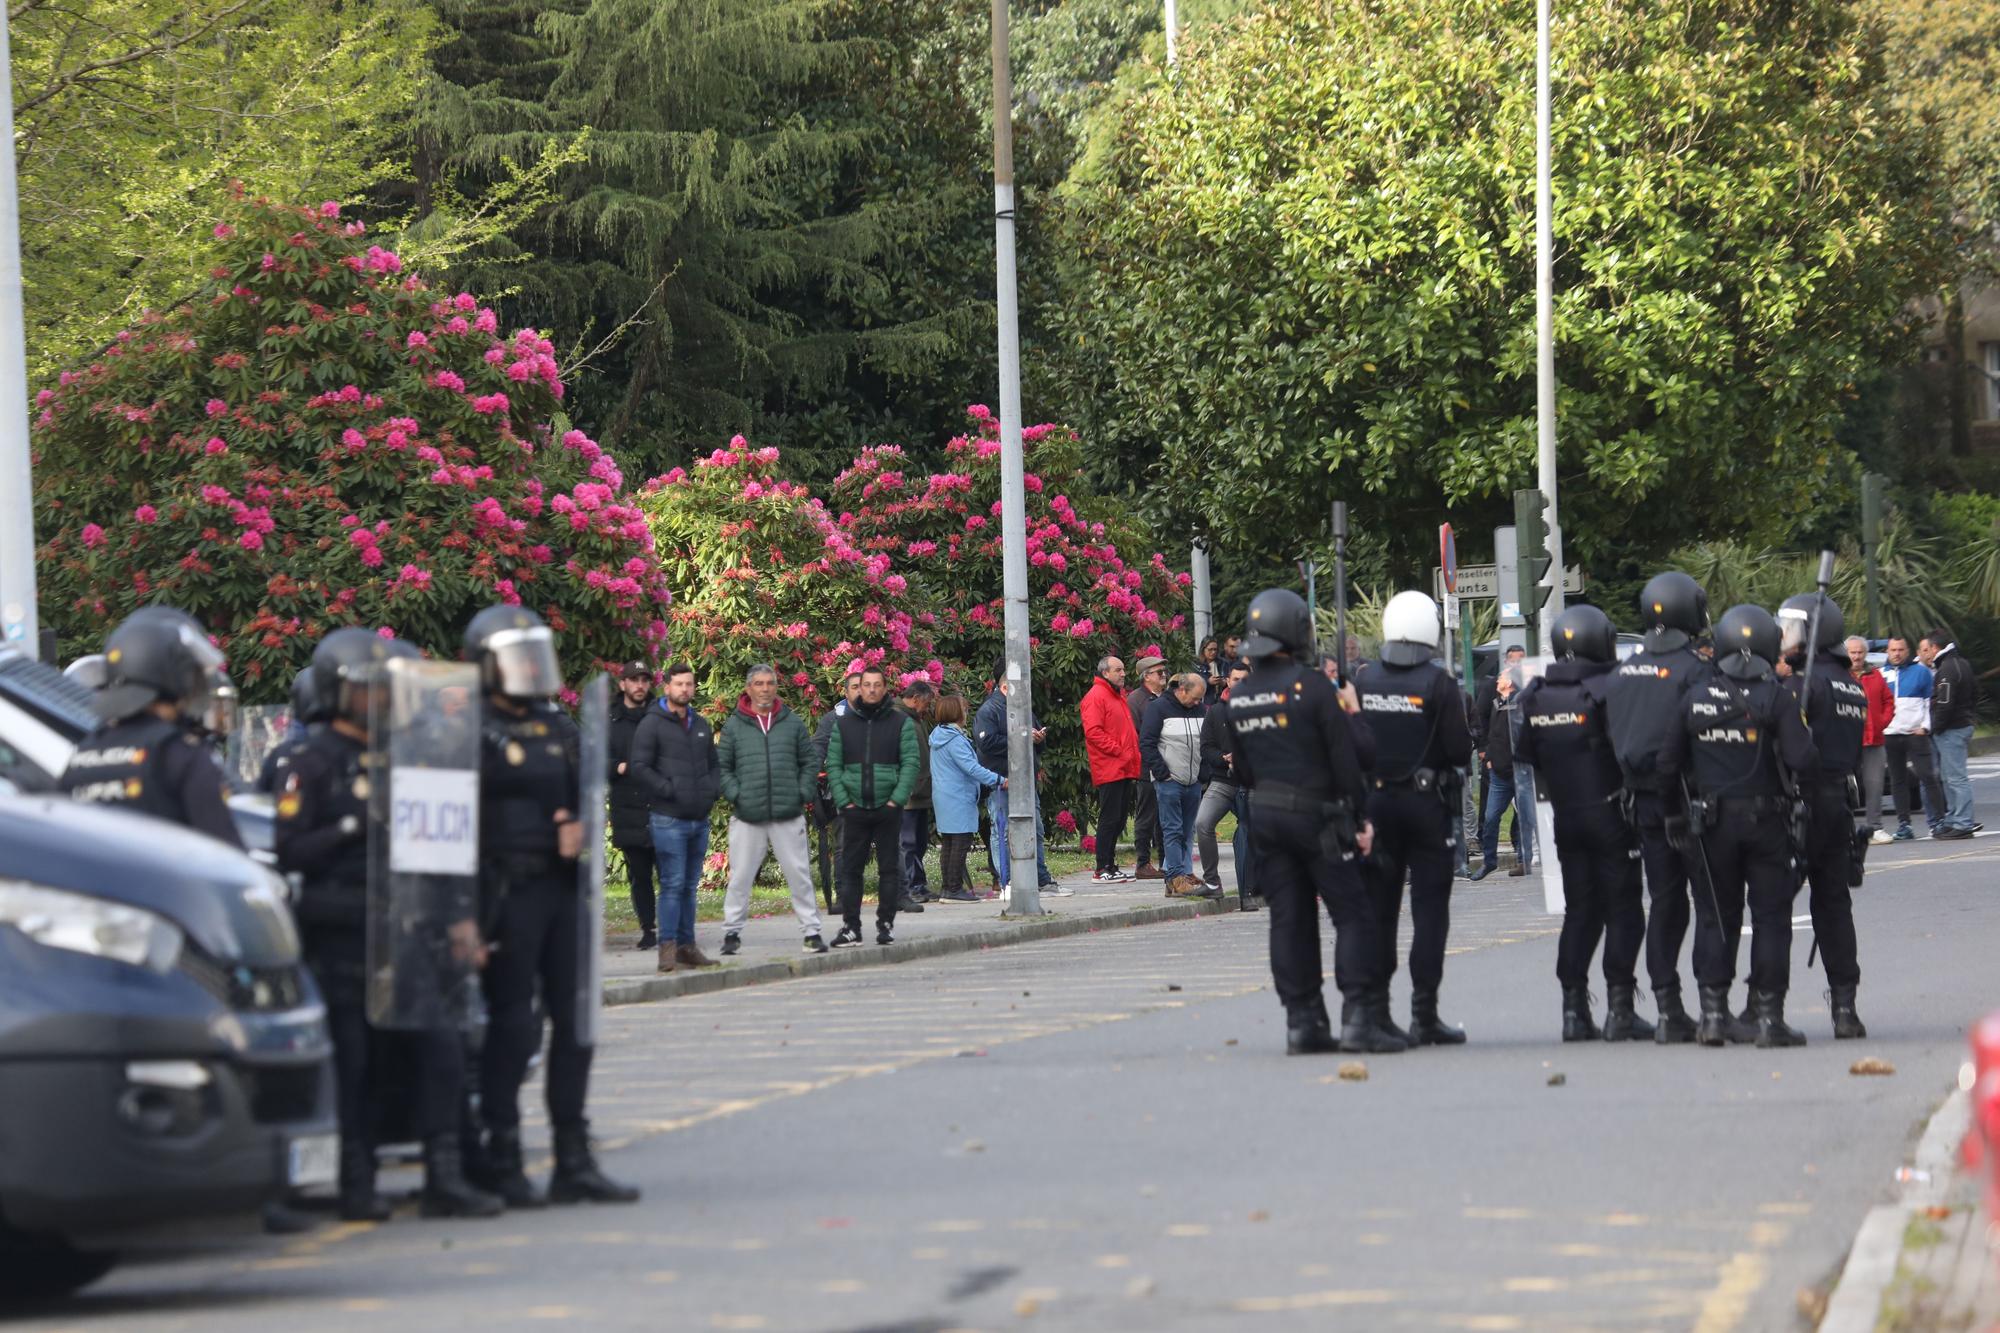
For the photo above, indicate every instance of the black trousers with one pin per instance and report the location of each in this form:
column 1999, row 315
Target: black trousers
column 1113, row 800
column 642, row 872
column 879, row 830
column 1829, row 845
column 951, row 859
column 1145, row 824
column 434, row 1062
column 537, row 941
column 1413, row 839
column 1912, row 764
column 1296, row 877
column 1750, row 864
column 1601, row 894
column 1667, row 882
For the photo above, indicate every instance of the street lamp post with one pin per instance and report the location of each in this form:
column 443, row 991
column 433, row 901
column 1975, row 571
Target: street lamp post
column 1545, row 343
column 17, row 492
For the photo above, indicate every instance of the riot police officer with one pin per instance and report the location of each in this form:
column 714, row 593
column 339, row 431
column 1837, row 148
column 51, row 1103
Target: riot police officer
column 1563, row 736
column 163, row 684
column 530, row 798
column 321, row 835
column 1643, row 697
column 1836, row 712
column 1295, row 753
column 306, row 719
column 1741, row 739
column 1414, row 708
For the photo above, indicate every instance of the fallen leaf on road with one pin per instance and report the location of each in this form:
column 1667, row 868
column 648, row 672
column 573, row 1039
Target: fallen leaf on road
column 1354, row 1072
column 1230, row 1042
column 1173, row 985
column 1027, row 1306
column 974, row 1145
column 1812, row 1305
column 1260, row 1215
column 1937, row 1212
column 1558, row 1080
column 1140, row 1287
column 1871, row 1065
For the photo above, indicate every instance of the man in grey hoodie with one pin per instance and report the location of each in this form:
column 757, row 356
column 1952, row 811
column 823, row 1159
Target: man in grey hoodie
column 1170, row 754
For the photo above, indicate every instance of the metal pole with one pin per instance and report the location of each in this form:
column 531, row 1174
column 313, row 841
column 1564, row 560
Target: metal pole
column 1204, row 605
column 1173, row 35
column 1025, row 898
column 1312, row 589
column 1340, row 586
column 17, row 489
column 1871, row 546
column 1545, row 336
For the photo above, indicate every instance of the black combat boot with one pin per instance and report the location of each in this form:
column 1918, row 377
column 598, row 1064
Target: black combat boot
column 1578, row 1025
column 504, row 1175
column 1307, row 1031
column 1426, row 1028
column 1362, row 1032
column 577, row 1179
column 1715, row 1015
column 446, row 1191
column 1621, row 1019
column 1771, row 1028
column 1847, row 1025
column 1675, row 1027
column 358, row 1200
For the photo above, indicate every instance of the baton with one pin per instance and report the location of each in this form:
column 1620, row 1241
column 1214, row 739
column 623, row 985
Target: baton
column 1340, row 590
column 1812, row 628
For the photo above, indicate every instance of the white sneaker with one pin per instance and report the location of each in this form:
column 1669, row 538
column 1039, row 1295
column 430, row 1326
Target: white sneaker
column 1880, row 837
column 1057, row 891
column 1111, row 876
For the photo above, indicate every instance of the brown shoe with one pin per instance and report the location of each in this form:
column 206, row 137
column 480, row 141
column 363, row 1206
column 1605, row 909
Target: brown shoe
column 667, row 961
column 690, row 955
column 1148, row 872
column 1180, row 886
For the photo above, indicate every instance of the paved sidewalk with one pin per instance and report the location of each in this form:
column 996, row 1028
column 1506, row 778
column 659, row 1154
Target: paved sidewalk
column 1927, row 1261
column 771, row 944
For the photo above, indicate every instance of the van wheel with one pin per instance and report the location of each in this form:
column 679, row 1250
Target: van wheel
column 45, row 1268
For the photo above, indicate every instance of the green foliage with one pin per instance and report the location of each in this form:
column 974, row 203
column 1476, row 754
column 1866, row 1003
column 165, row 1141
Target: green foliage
column 314, row 439
column 1311, row 256
column 131, row 116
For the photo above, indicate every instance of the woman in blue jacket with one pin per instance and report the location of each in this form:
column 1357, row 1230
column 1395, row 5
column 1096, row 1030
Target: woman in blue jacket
column 956, row 777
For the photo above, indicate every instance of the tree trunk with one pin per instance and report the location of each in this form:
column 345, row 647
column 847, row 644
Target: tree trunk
column 1958, row 372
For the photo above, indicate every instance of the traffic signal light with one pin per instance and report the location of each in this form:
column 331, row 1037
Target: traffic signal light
column 1531, row 545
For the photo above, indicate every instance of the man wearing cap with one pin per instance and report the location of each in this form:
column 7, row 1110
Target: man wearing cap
column 631, row 831
column 1148, row 682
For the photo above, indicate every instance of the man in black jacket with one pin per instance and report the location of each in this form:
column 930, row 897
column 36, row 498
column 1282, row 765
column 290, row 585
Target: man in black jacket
column 1149, row 681
column 989, row 742
column 673, row 755
column 1954, row 696
column 631, row 832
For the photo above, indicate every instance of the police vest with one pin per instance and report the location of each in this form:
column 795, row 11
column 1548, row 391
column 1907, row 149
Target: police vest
column 127, row 765
column 529, row 768
column 1404, row 708
column 1643, row 702
column 1562, row 731
column 329, row 779
column 1836, row 714
column 1732, row 733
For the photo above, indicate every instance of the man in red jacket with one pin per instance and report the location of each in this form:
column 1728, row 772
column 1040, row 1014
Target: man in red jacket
column 1874, row 758
column 1113, row 746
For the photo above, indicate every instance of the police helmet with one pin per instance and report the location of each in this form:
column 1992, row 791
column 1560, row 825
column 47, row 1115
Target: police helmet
column 1279, row 622
column 1746, row 642
column 160, row 655
column 515, row 651
column 1673, row 609
column 88, row 671
column 1409, row 629
column 1585, row 633
column 1795, row 622
column 305, row 703
column 346, row 667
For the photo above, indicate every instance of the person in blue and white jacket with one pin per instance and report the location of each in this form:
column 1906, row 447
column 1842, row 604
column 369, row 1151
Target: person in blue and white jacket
column 1907, row 738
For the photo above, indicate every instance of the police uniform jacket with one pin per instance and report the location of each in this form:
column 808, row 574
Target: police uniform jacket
column 155, row 767
column 1418, row 717
column 1734, row 734
column 1644, row 699
column 1563, row 734
column 1288, row 736
column 1836, row 714
column 320, row 833
column 528, row 770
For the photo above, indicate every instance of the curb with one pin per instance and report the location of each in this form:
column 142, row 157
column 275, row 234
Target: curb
column 643, row 990
column 1871, row 1264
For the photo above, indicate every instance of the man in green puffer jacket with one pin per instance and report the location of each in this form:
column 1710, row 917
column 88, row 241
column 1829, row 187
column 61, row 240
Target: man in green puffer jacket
column 769, row 773
column 871, row 765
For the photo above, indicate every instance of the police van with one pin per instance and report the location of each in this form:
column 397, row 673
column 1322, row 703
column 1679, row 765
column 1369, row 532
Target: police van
column 164, row 1052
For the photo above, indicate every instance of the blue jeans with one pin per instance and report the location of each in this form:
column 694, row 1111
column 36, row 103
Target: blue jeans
column 1246, row 869
column 1179, row 803
column 1502, row 790
column 996, row 806
column 680, row 845
column 1951, row 747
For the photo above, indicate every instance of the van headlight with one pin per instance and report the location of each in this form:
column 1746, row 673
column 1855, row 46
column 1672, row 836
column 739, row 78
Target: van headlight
column 60, row 919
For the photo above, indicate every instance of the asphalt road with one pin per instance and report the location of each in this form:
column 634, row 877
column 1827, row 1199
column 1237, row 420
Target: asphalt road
column 1102, row 1132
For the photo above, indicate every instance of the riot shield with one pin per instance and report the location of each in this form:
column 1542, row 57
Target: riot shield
column 423, row 846
column 594, row 722
column 260, row 729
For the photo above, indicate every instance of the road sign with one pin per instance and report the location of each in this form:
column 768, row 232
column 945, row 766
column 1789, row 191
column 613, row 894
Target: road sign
column 1448, row 557
column 1481, row 583
column 1450, row 611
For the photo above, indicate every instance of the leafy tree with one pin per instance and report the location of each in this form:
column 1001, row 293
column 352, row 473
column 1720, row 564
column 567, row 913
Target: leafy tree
column 316, row 439
column 131, row 116
column 1308, row 267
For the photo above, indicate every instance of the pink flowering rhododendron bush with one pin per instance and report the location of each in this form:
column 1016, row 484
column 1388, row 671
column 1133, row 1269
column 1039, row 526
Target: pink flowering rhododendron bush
column 902, row 567
column 315, row 438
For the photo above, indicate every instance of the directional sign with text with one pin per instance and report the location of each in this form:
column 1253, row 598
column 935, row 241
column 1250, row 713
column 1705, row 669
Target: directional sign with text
column 1482, row 582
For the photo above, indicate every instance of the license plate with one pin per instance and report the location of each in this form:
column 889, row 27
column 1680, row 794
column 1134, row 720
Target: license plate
column 313, row 1160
